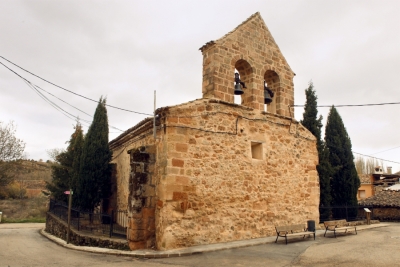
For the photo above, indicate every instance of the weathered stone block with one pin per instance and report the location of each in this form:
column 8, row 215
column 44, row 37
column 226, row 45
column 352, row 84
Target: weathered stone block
column 176, row 196
column 178, row 163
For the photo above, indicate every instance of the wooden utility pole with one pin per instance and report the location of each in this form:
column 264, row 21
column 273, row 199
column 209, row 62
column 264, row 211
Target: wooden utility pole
column 154, row 117
column 69, row 213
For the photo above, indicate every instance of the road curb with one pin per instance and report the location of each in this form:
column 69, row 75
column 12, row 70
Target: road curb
column 153, row 254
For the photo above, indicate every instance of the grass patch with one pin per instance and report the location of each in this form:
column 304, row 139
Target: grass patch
column 30, row 210
column 31, row 220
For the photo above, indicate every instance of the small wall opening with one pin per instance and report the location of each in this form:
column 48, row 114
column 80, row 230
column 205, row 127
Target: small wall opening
column 256, row 150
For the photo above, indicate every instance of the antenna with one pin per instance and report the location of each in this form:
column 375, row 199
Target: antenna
column 154, row 117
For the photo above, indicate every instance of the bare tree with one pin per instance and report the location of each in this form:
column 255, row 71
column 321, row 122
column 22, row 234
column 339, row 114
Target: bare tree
column 367, row 165
column 11, row 151
column 54, row 152
column 360, row 165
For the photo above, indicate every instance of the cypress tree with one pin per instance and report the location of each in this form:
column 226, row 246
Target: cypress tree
column 95, row 171
column 310, row 114
column 64, row 170
column 345, row 181
column 314, row 125
column 60, row 174
column 77, row 147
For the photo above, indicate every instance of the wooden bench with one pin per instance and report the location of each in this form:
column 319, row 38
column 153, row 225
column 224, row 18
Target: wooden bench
column 338, row 225
column 292, row 230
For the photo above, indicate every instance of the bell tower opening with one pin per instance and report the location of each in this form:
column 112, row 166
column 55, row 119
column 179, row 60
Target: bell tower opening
column 237, row 98
column 252, row 51
column 245, row 75
column 271, row 90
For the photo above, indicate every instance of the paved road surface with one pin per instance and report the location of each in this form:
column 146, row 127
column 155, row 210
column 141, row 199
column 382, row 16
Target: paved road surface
column 22, row 245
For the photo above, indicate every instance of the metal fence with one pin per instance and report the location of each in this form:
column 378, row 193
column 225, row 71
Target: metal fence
column 350, row 213
column 95, row 223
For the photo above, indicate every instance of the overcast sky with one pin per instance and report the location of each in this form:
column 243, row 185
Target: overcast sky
column 124, row 50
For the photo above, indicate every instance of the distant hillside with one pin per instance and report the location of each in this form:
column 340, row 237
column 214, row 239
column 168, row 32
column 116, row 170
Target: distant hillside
column 34, row 170
column 32, row 175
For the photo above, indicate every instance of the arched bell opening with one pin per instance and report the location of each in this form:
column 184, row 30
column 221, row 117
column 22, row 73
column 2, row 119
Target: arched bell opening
column 243, row 86
column 271, row 90
column 239, row 90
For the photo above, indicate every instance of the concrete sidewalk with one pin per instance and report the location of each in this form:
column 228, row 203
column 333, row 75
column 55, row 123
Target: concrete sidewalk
column 151, row 254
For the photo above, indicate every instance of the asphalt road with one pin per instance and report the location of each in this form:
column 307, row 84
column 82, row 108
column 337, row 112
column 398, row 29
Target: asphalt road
column 22, row 245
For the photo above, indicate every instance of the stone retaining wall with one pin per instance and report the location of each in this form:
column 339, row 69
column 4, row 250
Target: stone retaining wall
column 58, row 228
column 386, row 213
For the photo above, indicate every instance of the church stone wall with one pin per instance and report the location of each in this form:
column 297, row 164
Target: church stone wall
column 212, row 189
column 134, row 158
column 218, row 171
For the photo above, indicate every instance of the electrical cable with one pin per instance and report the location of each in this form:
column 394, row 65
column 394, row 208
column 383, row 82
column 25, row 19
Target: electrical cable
column 35, row 88
column 75, row 107
column 376, row 158
column 68, row 115
column 67, row 89
column 385, row 150
column 57, row 107
column 355, row 105
column 63, row 101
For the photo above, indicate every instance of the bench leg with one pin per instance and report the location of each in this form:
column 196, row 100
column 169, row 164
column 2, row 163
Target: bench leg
column 286, row 239
column 334, row 232
column 276, row 238
column 325, row 231
column 355, row 229
column 304, row 236
column 314, row 235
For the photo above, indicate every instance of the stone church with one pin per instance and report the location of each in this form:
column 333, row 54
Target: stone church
column 210, row 170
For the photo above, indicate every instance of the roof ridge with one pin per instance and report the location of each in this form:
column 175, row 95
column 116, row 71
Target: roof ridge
column 248, row 19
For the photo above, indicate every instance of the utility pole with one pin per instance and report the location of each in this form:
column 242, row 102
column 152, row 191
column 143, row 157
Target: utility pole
column 154, row 117
column 69, row 213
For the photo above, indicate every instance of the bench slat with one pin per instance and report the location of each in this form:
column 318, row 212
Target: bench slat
column 292, row 230
column 338, row 225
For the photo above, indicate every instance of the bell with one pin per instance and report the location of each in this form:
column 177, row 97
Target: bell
column 267, row 97
column 238, row 89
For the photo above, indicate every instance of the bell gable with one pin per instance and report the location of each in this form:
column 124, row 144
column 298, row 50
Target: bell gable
column 251, row 51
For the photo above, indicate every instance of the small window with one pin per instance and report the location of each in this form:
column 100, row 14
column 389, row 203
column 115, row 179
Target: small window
column 361, row 194
column 256, row 150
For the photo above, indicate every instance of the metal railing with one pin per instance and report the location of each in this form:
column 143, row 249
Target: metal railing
column 350, row 213
column 95, row 223
column 122, row 218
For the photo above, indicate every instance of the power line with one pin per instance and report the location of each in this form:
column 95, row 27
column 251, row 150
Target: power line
column 321, row 106
column 35, row 87
column 385, row 150
column 65, row 113
column 376, row 158
column 355, row 105
column 67, row 89
column 74, row 107
column 63, row 101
